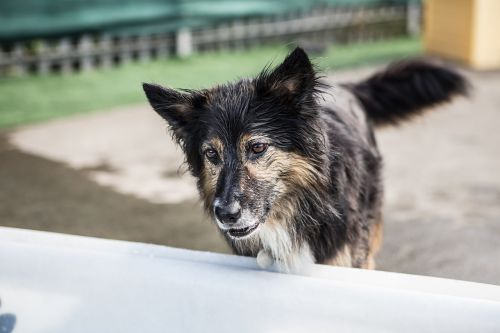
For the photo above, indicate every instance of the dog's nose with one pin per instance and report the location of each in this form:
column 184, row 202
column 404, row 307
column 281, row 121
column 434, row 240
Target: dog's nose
column 228, row 214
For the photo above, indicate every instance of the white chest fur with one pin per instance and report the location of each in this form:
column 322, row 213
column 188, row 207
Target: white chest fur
column 278, row 248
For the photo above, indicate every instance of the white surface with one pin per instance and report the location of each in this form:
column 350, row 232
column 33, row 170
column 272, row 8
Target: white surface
column 58, row 283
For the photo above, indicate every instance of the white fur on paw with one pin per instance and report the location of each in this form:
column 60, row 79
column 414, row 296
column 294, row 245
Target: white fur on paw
column 264, row 259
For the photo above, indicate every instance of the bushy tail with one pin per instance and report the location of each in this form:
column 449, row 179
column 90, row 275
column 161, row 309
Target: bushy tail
column 404, row 89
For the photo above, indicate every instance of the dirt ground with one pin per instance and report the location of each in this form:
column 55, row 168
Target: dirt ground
column 116, row 175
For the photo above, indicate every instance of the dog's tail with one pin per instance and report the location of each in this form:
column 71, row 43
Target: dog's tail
column 404, row 89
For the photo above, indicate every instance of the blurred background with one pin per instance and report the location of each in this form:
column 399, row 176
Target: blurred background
column 82, row 153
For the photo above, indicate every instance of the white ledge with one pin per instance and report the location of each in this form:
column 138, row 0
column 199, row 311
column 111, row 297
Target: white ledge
column 60, row 283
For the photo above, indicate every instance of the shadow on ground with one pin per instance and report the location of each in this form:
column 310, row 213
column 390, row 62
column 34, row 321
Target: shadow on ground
column 44, row 195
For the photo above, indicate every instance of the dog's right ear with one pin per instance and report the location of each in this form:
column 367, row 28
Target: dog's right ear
column 177, row 108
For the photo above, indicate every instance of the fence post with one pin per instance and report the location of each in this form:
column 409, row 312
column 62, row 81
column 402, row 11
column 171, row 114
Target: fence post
column 125, row 49
column 184, row 43
column 64, row 55
column 144, row 44
column 85, row 53
column 42, row 57
column 104, row 47
column 236, row 32
column 18, row 54
column 413, row 17
column 162, row 45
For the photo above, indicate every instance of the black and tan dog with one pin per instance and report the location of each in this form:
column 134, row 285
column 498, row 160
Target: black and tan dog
column 289, row 167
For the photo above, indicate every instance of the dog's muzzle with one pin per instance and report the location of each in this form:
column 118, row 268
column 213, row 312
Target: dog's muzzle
column 242, row 232
column 229, row 218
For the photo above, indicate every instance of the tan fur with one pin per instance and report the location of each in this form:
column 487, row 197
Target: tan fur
column 208, row 183
column 287, row 87
column 376, row 235
column 217, row 144
column 302, row 173
column 343, row 258
column 294, row 172
column 210, row 172
column 244, row 140
column 181, row 108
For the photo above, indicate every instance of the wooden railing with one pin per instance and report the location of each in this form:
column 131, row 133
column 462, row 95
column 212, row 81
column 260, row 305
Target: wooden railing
column 320, row 26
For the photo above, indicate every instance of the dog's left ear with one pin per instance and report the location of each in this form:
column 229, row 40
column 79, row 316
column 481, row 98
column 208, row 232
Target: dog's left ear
column 294, row 77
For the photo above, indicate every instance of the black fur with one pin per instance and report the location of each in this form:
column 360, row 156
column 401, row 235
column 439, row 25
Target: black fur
column 335, row 213
column 405, row 88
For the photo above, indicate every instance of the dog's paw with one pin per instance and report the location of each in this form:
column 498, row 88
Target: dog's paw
column 264, row 259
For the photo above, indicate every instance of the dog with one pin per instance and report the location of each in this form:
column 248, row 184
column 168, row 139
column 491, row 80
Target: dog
column 288, row 166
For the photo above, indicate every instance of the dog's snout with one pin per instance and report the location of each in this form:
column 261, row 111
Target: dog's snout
column 227, row 214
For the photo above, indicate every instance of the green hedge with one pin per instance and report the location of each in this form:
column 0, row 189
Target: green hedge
column 25, row 19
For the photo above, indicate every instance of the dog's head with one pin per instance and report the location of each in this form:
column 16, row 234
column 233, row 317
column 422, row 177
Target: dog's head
column 252, row 144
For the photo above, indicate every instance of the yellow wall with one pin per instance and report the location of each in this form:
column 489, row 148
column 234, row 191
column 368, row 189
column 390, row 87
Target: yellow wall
column 447, row 28
column 464, row 30
column 486, row 36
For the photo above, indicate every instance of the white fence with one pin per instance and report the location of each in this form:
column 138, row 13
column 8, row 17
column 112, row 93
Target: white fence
column 66, row 55
column 320, row 26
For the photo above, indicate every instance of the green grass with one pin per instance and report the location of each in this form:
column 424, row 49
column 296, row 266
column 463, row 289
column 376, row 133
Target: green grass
column 31, row 99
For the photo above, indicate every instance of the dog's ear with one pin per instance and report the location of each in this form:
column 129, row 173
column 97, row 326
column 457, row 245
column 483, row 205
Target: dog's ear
column 177, row 108
column 294, row 77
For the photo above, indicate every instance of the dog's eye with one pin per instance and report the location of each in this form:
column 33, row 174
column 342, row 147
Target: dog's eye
column 211, row 153
column 259, row 148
